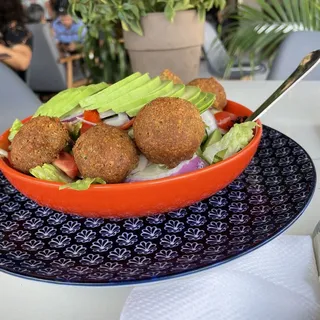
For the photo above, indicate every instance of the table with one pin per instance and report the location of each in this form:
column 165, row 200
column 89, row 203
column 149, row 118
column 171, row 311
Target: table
column 297, row 115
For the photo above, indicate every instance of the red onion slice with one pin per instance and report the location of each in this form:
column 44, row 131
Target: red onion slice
column 3, row 154
column 143, row 162
column 107, row 114
column 155, row 171
column 85, row 121
column 210, row 121
column 118, row 120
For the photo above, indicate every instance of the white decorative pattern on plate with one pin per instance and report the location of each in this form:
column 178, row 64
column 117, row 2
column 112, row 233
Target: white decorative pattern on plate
column 266, row 198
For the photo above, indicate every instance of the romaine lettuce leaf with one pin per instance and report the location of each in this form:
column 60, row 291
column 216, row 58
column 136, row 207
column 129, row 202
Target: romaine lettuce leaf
column 16, row 126
column 232, row 142
column 50, row 173
column 83, row 184
column 74, row 130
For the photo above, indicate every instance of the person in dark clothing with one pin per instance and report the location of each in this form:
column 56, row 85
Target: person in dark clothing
column 15, row 38
column 35, row 14
column 59, row 6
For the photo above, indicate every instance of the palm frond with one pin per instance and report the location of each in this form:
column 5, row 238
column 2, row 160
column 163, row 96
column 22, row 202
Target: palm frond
column 259, row 32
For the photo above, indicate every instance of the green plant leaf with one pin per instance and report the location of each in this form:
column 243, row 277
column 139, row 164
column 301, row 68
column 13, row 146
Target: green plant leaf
column 136, row 27
column 169, row 12
column 202, row 13
column 105, row 57
column 124, row 26
column 280, row 10
column 94, row 31
column 135, row 11
column 296, row 10
column 289, row 10
column 181, row 6
column 261, row 32
column 221, row 4
column 269, row 10
column 306, row 14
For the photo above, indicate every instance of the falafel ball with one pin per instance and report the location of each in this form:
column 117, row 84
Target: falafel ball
column 168, row 130
column 39, row 141
column 167, row 74
column 211, row 85
column 106, row 152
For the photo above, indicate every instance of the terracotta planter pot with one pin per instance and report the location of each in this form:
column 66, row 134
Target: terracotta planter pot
column 176, row 46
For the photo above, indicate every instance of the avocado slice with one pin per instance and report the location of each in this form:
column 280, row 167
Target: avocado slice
column 177, row 92
column 199, row 99
column 167, row 87
column 55, row 100
column 190, row 93
column 117, row 104
column 195, row 97
column 100, row 100
column 94, row 88
column 115, row 90
column 66, row 101
column 207, row 102
column 214, row 137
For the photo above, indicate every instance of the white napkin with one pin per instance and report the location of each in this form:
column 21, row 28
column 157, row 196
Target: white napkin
column 278, row 281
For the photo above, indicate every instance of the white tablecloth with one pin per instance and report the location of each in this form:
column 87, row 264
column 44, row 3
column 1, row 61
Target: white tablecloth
column 278, row 281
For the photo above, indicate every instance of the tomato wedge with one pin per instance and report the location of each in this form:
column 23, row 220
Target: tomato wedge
column 66, row 163
column 127, row 125
column 225, row 120
column 4, row 142
column 91, row 116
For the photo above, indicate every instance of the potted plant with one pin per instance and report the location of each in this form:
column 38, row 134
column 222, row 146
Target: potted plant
column 258, row 32
column 105, row 56
column 158, row 34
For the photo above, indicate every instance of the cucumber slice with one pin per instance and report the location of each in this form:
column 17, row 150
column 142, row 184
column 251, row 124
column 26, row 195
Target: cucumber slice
column 219, row 156
column 214, row 137
column 199, row 153
column 205, row 138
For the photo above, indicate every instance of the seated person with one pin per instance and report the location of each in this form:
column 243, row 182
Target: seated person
column 15, row 38
column 35, row 14
column 66, row 32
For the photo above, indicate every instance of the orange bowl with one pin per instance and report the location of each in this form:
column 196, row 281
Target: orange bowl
column 137, row 199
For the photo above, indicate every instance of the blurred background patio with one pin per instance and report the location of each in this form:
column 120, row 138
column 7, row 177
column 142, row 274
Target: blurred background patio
column 52, row 45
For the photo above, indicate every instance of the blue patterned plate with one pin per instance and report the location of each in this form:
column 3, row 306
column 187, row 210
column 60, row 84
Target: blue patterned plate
column 274, row 190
